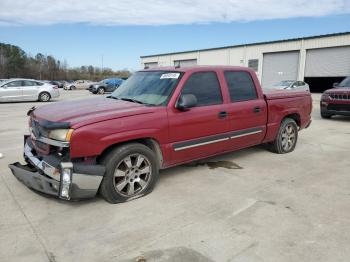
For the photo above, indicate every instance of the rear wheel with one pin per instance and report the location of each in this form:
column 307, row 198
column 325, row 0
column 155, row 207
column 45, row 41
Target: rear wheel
column 131, row 172
column 287, row 137
column 44, row 97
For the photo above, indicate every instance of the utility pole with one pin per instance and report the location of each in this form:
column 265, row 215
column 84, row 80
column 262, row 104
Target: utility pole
column 102, row 64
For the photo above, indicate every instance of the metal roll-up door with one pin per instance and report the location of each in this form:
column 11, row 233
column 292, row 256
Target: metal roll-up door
column 328, row 62
column 184, row 63
column 278, row 67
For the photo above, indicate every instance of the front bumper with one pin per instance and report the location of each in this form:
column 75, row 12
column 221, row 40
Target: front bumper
column 46, row 177
column 335, row 109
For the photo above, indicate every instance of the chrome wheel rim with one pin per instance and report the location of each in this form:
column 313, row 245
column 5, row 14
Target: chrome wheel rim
column 44, row 97
column 288, row 137
column 132, row 175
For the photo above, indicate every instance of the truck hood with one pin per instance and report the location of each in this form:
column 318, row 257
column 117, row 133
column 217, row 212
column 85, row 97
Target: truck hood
column 83, row 112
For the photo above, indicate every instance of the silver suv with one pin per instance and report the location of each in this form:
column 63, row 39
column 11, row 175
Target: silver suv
column 27, row 90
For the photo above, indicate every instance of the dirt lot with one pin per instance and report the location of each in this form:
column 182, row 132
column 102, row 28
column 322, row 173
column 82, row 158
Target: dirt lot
column 257, row 206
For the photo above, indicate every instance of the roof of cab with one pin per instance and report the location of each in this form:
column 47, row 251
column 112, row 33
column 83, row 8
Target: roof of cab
column 198, row 68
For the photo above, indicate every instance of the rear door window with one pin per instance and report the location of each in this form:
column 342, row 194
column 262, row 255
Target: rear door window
column 240, row 85
column 205, row 87
column 29, row 83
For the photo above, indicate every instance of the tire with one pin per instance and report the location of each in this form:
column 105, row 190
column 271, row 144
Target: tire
column 72, row 88
column 287, row 137
column 44, row 97
column 325, row 115
column 100, row 91
column 126, row 177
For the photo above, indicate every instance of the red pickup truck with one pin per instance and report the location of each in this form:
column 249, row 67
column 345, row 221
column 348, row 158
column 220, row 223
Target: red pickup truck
column 157, row 119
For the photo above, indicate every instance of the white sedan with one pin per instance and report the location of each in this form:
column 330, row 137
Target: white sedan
column 292, row 85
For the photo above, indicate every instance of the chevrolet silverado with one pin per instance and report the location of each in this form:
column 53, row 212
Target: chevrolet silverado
column 158, row 118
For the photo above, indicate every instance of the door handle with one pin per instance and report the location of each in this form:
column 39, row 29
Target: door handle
column 257, row 109
column 223, row 114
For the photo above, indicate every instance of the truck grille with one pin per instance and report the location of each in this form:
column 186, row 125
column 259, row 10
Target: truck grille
column 338, row 107
column 340, row 96
column 39, row 131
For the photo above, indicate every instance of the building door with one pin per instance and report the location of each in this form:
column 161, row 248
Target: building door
column 324, row 66
column 278, row 67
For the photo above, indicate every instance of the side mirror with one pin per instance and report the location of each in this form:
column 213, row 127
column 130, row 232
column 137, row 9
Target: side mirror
column 185, row 102
column 335, row 84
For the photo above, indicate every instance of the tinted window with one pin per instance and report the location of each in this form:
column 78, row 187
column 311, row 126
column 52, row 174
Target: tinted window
column 241, row 86
column 29, row 83
column 14, row 84
column 205, row 86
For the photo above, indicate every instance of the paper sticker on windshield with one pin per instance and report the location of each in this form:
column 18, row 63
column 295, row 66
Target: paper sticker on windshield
column 170, row 75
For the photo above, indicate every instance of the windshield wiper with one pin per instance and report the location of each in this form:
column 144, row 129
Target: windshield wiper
column 130, row 100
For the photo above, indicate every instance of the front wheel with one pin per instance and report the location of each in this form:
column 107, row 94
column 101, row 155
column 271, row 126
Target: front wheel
column 131, row 172
column 287, row 137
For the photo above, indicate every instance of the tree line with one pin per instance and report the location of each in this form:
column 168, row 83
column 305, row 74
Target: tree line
column 15, row 62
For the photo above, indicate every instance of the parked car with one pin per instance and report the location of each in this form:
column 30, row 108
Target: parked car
column 336, row 101
column 157, row 119
column 57, row 83
column 79, row 84
column 105, row 86
column 292, row 85
column 27, row 90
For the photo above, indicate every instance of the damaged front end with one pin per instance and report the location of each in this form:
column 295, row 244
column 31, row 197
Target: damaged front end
column 49, row 168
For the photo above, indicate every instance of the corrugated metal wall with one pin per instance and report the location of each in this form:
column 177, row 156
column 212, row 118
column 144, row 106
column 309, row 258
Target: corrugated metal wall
column 240, row 55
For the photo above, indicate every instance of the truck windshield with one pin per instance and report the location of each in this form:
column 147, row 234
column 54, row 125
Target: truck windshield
column 148, row 87
column 345, row 83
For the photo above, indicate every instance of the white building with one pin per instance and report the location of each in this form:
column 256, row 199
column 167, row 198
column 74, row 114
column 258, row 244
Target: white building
column 318, row 60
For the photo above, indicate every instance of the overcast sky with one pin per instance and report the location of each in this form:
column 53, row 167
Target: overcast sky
column 121, row 31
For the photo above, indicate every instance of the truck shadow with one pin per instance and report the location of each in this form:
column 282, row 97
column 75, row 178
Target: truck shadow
column 225, row 160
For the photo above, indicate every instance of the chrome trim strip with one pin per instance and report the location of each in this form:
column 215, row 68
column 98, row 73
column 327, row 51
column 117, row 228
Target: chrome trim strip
column 219, row 140
column 42, row 165
column 202, row 144
column 246, row 134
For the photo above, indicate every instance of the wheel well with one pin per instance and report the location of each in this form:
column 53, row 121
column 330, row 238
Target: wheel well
column 295, row 117
column 149, row 142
